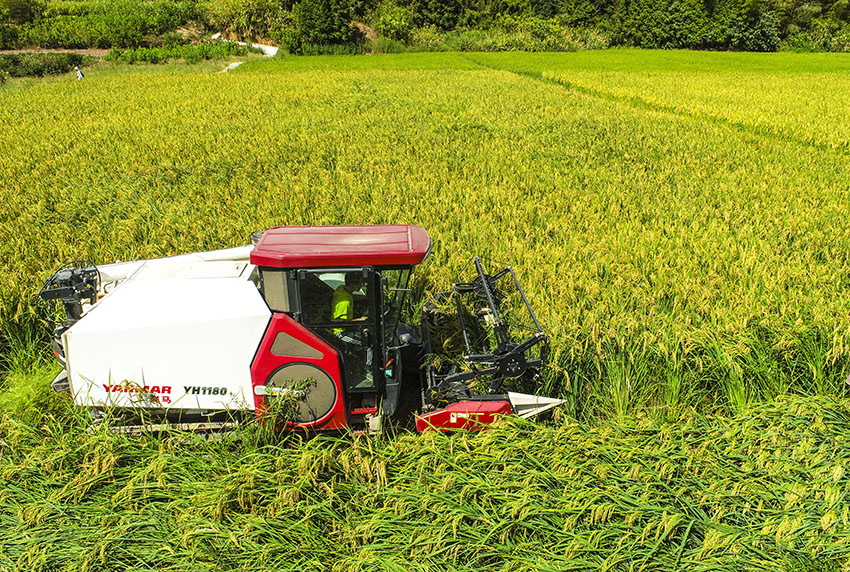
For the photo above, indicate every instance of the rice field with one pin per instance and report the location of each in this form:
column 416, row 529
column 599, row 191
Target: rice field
column 679, row 221
column 762, row 491
column 796, row 97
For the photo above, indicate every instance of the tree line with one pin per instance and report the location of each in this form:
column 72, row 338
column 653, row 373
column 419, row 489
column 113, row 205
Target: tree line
column 334, row 26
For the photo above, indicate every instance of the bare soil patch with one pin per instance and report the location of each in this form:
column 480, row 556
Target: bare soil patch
column 366, row 30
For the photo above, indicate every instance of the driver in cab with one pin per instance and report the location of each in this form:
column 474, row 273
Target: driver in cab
column 343, row 310
column 343, row 300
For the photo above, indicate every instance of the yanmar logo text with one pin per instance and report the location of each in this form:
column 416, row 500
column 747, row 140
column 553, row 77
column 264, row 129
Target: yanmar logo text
column 162, row 393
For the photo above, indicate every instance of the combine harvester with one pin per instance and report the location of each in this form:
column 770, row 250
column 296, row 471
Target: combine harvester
column 307, row 314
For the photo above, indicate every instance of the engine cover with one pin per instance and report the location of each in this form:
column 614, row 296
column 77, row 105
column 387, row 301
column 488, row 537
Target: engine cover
column 181, row 343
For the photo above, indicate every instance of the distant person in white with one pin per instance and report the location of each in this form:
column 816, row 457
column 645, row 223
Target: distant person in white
column 80, row 75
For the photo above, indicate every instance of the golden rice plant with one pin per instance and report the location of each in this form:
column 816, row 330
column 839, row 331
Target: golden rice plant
column 520, row 496
column 681, row 234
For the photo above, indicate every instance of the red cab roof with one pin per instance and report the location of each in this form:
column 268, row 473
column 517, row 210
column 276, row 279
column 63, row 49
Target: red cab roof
column 331, row 246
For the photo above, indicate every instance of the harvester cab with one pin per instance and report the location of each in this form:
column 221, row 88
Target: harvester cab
column 336, row 295
column 307, row 318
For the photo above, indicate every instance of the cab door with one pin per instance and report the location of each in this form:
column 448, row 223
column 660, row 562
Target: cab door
column 394, row 286
column 356, row 337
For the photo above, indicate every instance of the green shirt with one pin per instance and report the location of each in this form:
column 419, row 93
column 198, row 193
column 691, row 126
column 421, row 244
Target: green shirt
column 343, row 306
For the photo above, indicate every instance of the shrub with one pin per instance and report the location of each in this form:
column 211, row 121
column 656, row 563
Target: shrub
column 8, row 36
column 394, row 22
column 383, row 45
column 825, row 36
column 115, row 23
column 511, row 33
column 348, row 49
column 39, row 65
column 427, row 38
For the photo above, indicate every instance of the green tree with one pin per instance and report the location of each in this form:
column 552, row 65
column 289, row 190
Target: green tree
column 322, row 22
column 394, row 22
column 757, row 28
column 21, row 11
column 443, row 14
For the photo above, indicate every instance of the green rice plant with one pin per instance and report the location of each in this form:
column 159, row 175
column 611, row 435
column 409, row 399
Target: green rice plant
column 623, row 382
column 190, row 53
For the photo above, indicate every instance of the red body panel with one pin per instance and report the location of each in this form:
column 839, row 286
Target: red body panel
column 463, row 415
column 341, row 246
column 265, row 362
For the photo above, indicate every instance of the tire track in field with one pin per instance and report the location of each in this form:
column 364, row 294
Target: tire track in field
column 637, row 102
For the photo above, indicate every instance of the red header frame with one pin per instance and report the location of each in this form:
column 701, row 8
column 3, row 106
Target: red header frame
column 341, row 246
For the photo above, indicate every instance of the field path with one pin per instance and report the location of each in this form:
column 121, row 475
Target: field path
column 268, row 51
